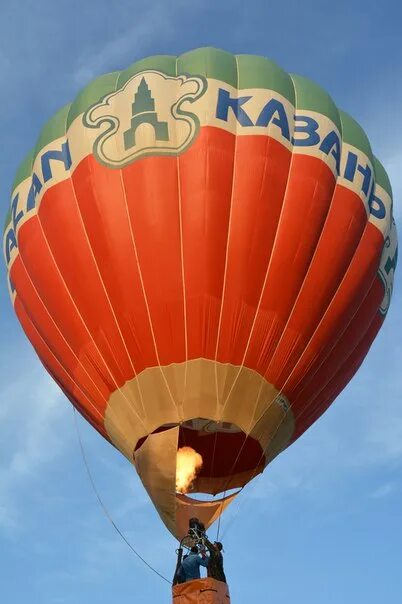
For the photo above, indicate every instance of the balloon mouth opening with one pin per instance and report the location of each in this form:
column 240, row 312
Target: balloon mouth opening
column 217, row 457
column 200, row 497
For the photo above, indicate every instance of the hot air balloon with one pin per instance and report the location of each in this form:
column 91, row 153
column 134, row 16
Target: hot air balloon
column 201, row 250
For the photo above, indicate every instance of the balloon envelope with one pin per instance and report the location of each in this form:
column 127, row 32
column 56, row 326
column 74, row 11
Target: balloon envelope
column 201, row 250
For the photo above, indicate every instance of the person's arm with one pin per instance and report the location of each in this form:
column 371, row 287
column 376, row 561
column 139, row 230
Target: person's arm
column 203, row 561
column 209, row 545
column 203, row 552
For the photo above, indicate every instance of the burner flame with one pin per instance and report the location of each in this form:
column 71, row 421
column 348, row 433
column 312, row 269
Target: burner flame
column 188, row 464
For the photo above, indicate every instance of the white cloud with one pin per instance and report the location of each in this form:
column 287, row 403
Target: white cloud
column 155, row 23
column 384, row 490
column 30, row 417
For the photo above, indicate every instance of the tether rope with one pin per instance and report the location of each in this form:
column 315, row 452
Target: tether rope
column 103, row 506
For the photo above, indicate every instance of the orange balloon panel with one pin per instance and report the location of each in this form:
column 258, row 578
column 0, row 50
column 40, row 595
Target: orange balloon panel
column 203, row 242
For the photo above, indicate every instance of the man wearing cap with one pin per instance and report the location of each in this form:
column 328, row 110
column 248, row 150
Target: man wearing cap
column 215, row 565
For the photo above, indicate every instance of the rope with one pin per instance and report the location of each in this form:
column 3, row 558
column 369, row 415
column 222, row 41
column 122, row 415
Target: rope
column 103, row 506
column 219, row 523
column 240, row 505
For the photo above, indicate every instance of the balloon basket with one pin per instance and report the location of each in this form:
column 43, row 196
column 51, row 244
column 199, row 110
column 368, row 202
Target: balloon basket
column 201, row 591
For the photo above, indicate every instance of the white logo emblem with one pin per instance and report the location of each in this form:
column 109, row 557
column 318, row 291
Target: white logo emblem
column 150, row 115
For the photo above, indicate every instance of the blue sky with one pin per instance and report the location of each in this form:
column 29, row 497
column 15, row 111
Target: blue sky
column 324, row 522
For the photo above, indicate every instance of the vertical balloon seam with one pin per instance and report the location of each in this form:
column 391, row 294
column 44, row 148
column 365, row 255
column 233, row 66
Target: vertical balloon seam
column 130, row 405
column 70, row 171
column 308, row 267
column 53, row 320
column 102, row 282
column 58, row 362
column 222, row 304
column 129, row 401
column 161, row 368
column 226, row 261
column 204, row 72
column 350, row 322
column 64, row 285
column 270, row 67
column 124, row 76
column 318, row 367
column 82, row 410
column 345, row 327
column 332, row 300
column 180, row 403
column 120, row 82
column 251, row 333
column 337, row 370
column 233, row 81
column 20, row 300
column 229, row 225
column 355, row 341
column 123, row 192
column 353, row 363
column 254, row 322
column 264, row 282
column 375, row 316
